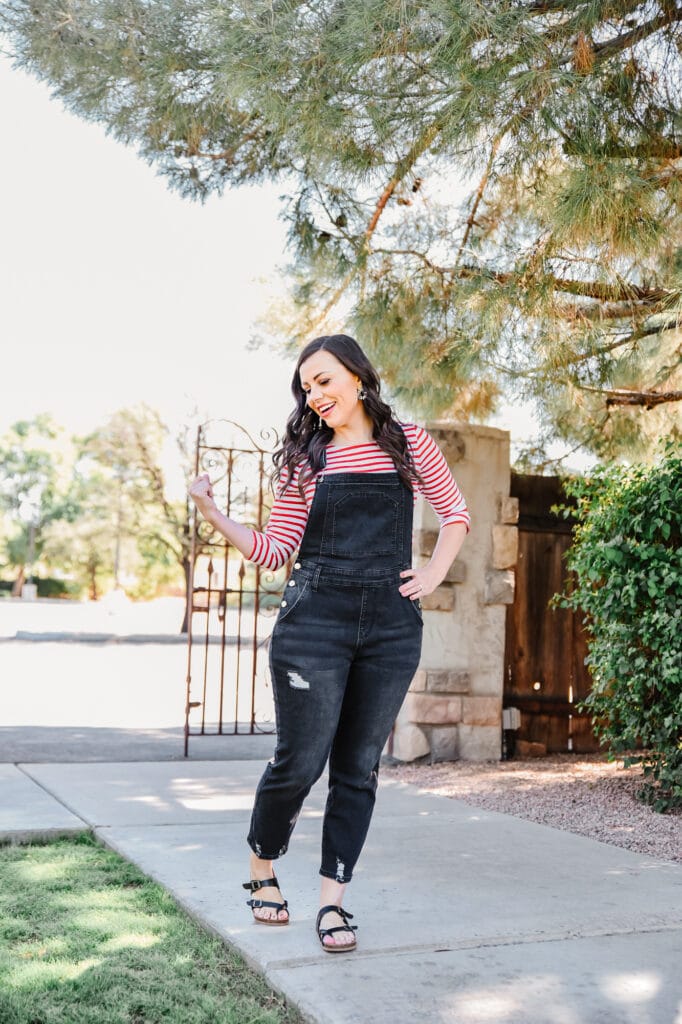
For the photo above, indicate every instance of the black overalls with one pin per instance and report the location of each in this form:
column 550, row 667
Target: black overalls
column 343, row 651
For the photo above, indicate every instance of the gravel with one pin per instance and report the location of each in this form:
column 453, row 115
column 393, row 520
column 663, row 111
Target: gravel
column 585, row 794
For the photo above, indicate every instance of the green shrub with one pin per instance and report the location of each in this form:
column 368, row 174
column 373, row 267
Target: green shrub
column 48, row 586
column 627, row 564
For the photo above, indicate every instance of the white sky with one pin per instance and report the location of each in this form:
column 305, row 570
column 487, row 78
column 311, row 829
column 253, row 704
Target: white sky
column 115, row 290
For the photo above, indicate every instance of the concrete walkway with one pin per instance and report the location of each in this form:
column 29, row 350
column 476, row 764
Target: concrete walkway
column 465, row 916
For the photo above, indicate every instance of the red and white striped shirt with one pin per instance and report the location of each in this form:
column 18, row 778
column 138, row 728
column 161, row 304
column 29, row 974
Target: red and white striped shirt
column 289, row 513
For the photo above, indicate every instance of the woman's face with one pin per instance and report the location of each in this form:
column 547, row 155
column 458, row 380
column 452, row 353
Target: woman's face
column 331, row 390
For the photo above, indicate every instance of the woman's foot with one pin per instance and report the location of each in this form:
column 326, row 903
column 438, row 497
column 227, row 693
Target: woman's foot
column 261, row 869
column 332, row 892
column 332, row 920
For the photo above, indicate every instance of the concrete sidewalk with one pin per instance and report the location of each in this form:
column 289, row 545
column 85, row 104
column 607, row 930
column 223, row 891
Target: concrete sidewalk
column 465, row 916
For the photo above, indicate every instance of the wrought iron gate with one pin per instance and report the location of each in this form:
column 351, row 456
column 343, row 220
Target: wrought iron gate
column 233, row 602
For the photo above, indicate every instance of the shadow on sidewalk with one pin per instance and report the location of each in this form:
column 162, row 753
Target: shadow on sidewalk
column 72, row 744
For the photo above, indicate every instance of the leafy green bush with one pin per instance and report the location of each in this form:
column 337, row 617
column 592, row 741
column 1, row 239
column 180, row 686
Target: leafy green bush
column 627, row 564
column 48, row 586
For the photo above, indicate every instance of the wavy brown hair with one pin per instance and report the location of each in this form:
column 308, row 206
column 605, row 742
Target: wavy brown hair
column 306, row 436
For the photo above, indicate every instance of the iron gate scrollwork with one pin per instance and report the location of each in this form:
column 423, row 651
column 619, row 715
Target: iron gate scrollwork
column 233, row 603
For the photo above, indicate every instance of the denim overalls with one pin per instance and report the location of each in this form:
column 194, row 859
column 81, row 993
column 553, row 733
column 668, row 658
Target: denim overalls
column 343, row 651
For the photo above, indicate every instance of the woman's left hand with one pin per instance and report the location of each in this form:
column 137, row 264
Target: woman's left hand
column 420, row 582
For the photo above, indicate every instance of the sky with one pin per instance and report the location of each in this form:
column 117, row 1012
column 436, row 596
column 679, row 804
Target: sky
column 117, row 291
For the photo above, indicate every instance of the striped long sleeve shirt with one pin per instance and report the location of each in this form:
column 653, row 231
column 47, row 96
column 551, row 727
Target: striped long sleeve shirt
column 289, row 513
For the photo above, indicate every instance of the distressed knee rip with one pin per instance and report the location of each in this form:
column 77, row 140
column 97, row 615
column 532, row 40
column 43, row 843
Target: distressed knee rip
column 297, row 681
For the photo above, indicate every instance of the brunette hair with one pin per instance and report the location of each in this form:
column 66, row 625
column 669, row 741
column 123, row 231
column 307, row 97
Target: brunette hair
column 305, row 439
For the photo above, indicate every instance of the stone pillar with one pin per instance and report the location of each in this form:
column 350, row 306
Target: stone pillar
column 454, row 707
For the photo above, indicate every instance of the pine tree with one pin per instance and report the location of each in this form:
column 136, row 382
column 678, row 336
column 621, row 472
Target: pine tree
column 554, row 274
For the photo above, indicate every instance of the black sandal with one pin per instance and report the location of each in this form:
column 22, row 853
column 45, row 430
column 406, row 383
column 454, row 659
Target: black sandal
column 254, row 885
column 321, row 932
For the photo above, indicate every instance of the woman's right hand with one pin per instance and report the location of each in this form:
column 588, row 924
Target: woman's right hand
column 201, row 493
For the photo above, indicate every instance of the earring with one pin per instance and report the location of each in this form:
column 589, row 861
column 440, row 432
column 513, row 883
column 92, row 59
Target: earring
column 362, row 394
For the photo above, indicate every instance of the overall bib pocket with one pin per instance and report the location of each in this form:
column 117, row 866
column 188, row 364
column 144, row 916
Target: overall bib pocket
column 362, row 522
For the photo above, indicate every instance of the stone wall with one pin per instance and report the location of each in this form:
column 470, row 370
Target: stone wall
column 454, row 707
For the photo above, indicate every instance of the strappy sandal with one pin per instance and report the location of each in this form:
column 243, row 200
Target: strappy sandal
column 254, row 885
column 321, row 932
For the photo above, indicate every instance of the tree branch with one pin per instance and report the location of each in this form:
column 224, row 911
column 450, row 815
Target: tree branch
column 605, row 311
column 607, row 49
column 443, row 271
column 228, row 155
column 550, row 6
column 625, row 396
column 589, row 289
column 660, row 149
column 479, row 196
column 631, row 296
column 644, row 332
column 401, row 169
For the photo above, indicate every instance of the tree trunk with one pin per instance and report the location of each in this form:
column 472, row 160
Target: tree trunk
column 93, row 581
column 19, row 582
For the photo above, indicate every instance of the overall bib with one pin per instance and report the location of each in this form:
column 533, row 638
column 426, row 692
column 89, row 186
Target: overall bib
column 343, row 652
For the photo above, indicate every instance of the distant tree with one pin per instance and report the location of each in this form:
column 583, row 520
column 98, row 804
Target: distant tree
column 30, row 495
column 79, row 542
column 94, row 506
column 555, row 274
column 126, row 452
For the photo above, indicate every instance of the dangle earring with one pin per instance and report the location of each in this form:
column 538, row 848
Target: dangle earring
column 362, row 394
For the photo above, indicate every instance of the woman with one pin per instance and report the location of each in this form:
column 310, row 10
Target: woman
column 348, row 634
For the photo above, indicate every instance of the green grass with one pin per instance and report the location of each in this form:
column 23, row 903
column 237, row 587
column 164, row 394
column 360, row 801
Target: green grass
column 86, row 938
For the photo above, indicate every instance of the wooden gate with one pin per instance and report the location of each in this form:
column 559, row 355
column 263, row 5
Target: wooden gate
column 545, row 673
column 233, row 602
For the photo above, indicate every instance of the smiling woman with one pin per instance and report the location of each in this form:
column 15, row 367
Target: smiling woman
column 347, row 640
column 334, row 392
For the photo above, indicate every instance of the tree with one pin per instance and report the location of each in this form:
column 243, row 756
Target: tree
column 31, row 490
column 79, row 543
column 96, row 505
column 556, row 275
column 126, row 452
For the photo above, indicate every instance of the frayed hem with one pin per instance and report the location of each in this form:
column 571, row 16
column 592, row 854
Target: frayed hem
column 332, row 875
column 257, row 849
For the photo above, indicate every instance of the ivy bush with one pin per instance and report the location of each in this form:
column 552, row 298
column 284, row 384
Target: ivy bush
column 626, row 562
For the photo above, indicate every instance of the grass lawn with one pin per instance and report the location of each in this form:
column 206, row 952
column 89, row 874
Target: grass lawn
column 86, row 938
